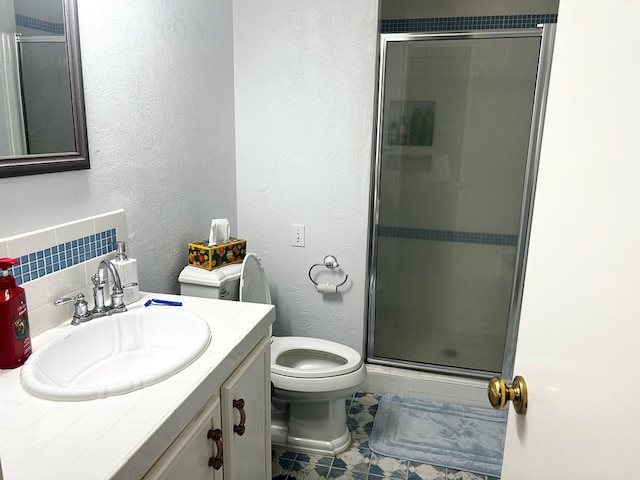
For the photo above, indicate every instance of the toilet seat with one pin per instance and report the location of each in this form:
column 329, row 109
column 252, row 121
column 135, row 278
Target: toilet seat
column 328, row 369
column 253, row 281
column 324, row 358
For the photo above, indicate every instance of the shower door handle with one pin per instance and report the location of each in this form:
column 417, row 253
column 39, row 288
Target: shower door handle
column 500, row 393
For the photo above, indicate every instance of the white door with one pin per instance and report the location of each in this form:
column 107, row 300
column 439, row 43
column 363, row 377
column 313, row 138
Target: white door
column 579, row 337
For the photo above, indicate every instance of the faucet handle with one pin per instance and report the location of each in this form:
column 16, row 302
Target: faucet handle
column 117, row 301
column 80, row 307
column 64, row 300
column 117, row 297
column 98, row 280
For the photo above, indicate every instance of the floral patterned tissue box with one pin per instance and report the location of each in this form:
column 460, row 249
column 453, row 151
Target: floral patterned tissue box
column 215, row 256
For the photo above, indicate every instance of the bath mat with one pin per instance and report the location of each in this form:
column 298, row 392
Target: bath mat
column 445, row 435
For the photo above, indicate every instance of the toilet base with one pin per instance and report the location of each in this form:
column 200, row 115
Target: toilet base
column 312, row 427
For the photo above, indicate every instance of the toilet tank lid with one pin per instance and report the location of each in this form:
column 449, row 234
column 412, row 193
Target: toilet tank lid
column 214, row 278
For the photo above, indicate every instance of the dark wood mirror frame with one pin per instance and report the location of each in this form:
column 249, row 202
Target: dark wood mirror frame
column 12, row 166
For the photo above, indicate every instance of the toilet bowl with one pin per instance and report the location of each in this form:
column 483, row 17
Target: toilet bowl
column 312, row 378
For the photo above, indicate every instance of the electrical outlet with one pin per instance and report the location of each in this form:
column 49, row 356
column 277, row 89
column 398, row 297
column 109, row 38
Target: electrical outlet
column 297, row 235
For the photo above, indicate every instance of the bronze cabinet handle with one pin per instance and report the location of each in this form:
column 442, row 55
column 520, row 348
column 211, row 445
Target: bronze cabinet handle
column 216, row 436
column 239, row 429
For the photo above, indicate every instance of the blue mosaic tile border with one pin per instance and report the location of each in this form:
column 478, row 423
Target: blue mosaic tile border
column 404, row 25
column 58, row 257
column 448, row 236
column 37, row 24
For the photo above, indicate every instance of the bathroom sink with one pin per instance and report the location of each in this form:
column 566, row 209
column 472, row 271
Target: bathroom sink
column 115, row 354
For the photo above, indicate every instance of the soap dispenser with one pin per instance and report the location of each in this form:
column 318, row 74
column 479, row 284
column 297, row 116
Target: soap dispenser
column 15, row 341
column 127, row 269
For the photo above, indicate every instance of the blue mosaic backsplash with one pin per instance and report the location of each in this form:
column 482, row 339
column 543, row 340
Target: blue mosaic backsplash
column 448, row 236
column 404, row 25
column 58, row 257
column 37, row 24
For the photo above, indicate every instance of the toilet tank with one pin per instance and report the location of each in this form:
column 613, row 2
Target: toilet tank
column 222, row 283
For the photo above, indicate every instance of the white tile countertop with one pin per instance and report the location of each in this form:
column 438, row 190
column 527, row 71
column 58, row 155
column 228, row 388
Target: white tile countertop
column 121, row 437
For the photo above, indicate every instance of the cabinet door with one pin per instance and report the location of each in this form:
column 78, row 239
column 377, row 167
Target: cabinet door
column 189, row 455
column 246, row 417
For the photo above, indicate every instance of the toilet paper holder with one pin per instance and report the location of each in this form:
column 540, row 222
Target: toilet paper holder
column 331, row 262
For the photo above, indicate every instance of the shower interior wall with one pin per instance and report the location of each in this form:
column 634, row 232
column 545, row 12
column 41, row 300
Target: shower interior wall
column 393, row 9
column 460, row 197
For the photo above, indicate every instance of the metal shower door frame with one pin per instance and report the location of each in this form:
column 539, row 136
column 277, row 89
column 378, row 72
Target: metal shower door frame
column 546, row 32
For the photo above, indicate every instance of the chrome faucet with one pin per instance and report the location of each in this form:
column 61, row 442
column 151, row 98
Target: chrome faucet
column 99, row 282
column 100, row 309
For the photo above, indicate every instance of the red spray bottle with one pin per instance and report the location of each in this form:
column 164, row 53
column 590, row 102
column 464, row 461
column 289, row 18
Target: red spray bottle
column 15, row 342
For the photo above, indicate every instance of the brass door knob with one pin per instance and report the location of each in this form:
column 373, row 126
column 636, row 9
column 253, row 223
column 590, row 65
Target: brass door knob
column 500, row 393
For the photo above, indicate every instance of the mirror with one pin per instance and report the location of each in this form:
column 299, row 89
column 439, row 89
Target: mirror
column 42, row 117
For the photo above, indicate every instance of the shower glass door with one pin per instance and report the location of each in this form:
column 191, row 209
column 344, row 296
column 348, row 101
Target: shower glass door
column 455, row 118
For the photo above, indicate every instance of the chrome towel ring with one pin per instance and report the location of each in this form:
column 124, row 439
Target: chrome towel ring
column 331, row 262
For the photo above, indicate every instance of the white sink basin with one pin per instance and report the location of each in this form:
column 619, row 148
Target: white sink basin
column 115, row 354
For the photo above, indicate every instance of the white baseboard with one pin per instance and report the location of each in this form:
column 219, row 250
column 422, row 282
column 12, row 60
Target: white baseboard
column 429, row 386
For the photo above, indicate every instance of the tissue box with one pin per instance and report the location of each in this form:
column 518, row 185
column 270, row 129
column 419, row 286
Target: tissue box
column 215, row 256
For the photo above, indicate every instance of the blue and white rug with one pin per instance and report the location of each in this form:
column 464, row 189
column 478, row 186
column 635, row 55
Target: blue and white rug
column 446, row 435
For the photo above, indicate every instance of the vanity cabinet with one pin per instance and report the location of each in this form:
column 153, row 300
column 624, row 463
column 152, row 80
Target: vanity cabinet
column 192, row 455
column 246, row 418
column 230, row 437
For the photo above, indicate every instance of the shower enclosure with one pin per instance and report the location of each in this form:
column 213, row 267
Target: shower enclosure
column 458, row 135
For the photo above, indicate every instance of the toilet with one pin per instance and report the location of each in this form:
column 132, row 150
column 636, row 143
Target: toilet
column 312, row 378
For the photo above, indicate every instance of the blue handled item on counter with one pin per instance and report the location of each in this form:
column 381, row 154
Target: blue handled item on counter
column 157, row 301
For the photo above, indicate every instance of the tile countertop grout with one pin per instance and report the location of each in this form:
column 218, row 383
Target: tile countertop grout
column 121, row 437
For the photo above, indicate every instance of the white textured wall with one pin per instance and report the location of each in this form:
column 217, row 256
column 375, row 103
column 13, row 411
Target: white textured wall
column 305, row 77
column 158, row 80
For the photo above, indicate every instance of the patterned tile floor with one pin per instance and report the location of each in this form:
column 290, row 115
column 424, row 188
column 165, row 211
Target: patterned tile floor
column 359, row 463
